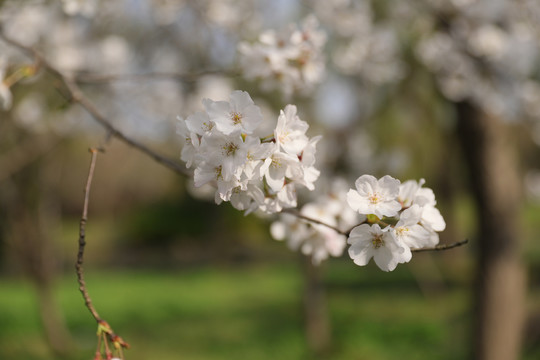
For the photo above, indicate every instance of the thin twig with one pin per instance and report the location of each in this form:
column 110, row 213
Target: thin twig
column 104, row 329
column 443, row 246
column 77, row 96
column 82, row 241
column 295, row 212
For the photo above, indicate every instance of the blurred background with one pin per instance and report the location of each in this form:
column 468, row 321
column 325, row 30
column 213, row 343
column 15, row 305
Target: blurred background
column 443, row 90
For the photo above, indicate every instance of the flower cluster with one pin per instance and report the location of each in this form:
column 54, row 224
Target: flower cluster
column 250, row 170
column 413, row 210
column 315, row 239
column 391, row 219
column 290, row 60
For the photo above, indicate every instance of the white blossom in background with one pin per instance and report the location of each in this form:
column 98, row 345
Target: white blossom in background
column 290, row 60
column 5, row 94
column 165, row 12
column 240, row 16
column 365, row 48
column 85, row 8
column 374, row 56
column 411, row 208
column 487, row 53
column 115, row 52
column 346, row 17
column 317, row 240
column 29, row 113
column 26, row 24
column 532, row 185
column 252, row 172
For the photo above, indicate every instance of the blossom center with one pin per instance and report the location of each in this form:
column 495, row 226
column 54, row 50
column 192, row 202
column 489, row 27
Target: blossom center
column 236, row 117
column 402, row 230
column 283, row 137
column 230, row 148
column 374, row 198
column 207, row 126
column 377, row 241
column 218, row 173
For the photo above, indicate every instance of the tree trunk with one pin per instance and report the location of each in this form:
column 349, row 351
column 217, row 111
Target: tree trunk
column 317, row 323
column 31, row 212
column 500, row 282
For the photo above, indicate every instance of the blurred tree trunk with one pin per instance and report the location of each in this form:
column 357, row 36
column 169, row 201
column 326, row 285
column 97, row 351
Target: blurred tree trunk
column 500, row 283
column 32, row 214
column 317, row 320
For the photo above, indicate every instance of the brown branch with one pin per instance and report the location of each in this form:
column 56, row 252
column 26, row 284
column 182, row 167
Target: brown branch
column 295, row 212
column 187, row 77
column 443, row 246
column 77, row 96
column 82, row 241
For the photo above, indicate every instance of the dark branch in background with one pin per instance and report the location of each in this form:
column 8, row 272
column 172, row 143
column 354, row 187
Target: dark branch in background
column 170, row 76
column 82, row 239
column 76, row 96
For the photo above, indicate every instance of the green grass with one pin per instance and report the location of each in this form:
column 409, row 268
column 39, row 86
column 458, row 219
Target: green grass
column 251, row 312
column 248, row 312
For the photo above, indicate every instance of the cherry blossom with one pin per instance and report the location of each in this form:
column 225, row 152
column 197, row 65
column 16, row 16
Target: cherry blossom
column 408, row 205
column 372, row 196
column 370, row 241
column 289, row 60
column 290, row 132
column 240, row 114
column 409, row 231
column 249, row 171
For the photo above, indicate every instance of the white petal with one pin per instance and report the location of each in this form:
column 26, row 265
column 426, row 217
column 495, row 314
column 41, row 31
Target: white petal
column 385, row 259
column 354, row 200
column 432, row 218
column 360, row 254
column 390, row 185
column 278, row 230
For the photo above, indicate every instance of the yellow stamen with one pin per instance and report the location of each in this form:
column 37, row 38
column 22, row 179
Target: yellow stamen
column 236, row 118
column 374, row 198
column 230, row 149
column 377, row 241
